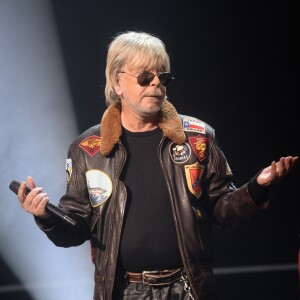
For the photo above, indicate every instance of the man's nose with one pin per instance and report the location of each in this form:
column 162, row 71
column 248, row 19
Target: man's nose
column 155, row 81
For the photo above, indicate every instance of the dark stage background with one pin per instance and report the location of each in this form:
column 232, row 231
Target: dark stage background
column 236, row 68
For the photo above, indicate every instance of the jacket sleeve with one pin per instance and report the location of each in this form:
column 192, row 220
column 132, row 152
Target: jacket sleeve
column 76, row 204
column 231, row 206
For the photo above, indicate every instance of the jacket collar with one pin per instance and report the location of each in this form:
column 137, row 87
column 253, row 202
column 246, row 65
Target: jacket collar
column 111, row 129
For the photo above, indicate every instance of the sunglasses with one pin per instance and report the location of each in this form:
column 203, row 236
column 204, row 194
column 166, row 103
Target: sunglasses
column 145, row 77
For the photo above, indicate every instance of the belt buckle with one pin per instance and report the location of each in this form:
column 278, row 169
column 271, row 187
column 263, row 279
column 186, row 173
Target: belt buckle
column 144, row 277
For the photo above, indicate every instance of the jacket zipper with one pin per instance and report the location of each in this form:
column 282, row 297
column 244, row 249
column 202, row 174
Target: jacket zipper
column 175, row 218
column 118, row 173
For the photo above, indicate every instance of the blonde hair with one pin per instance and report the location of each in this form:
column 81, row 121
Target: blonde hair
column 138, row 50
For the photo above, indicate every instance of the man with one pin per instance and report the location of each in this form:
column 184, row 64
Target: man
column 146, row 186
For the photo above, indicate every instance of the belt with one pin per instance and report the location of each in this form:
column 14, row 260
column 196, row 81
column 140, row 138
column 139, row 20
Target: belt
column 154, row 278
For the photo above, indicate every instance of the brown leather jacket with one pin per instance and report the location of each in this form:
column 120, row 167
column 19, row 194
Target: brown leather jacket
column 198, row 179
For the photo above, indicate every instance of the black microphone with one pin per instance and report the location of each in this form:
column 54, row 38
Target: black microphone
column 51, row 209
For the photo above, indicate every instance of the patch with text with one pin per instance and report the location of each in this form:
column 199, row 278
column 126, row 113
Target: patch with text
column 193, row 124
column 180, row 153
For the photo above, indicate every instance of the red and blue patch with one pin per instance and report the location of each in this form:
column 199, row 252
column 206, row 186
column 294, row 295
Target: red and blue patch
column 193, row 175
column 193, row 124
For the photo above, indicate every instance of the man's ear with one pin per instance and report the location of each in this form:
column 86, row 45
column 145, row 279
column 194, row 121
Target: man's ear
column 118, row 89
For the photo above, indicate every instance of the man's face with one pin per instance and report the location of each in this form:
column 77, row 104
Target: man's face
column 143, row 101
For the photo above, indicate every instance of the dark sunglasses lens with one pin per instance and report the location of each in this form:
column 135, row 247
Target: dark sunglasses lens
column 165, row 78
column 145, row 78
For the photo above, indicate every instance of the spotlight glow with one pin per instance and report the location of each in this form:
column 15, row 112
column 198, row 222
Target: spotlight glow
column 37, row 124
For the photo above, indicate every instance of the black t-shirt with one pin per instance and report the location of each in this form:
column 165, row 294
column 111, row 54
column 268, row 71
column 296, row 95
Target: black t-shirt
column 149, row 240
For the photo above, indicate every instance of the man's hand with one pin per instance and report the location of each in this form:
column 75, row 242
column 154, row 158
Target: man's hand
column 277, row 170
column 35, row 202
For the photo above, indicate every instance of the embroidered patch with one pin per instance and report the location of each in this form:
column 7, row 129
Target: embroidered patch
column 91, row 145
column 193, row 175
column 198, row 144
column 99, row 186
column 193, row 124
column 180, row 153
column 69, row 169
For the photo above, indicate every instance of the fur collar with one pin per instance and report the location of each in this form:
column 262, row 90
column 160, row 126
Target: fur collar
column 111, row 129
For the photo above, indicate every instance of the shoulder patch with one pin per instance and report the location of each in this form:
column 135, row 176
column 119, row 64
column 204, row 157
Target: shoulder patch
column 193, row 124
column 69, row 169
column 91, row 145
column 199, row 145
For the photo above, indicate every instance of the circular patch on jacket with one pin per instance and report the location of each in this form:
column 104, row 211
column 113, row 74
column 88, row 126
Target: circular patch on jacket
column 99, row 186
column 180, row 153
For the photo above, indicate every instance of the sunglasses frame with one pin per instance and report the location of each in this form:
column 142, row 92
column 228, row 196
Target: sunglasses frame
column 147, row 80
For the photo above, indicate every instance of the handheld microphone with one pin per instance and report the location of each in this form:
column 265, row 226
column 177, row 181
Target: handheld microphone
column 51, row 209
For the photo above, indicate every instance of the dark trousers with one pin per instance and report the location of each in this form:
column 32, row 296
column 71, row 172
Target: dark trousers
column 137, row 291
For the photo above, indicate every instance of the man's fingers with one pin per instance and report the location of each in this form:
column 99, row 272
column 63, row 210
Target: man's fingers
column 38, row 199
column 42, row 205
column 33, row 201
column 288, row 163
column 34, row 193
column 294, row 161
column 31, row 183
column 285, row 165
column 21, row 192
column 27, row 202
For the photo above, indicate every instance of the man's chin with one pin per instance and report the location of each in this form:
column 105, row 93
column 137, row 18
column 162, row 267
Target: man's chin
column 150, row 110
column 152, row 103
